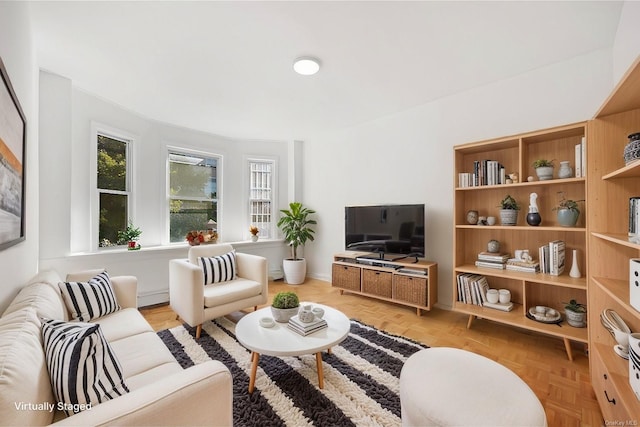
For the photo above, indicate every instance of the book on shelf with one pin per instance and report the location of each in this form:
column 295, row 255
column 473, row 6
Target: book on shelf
column 306, row 328
column 578, row 160
column 634, row 219
column 485, row 172
column 490, row 264
column 503, row 306
column 556, row 257
column 472, row 288
column 543, row 257
column 515, row 264
column 583, row 152
column 492, row 256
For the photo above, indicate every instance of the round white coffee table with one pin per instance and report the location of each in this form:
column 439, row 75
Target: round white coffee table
column 279, row 340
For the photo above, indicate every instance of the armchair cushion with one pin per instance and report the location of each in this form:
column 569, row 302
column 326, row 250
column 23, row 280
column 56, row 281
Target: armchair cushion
column 221, row 268
column 223, row 293
column 83, row 368
column 90, row 300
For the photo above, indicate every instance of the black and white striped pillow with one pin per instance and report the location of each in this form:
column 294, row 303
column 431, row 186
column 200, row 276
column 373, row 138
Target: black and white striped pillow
column 82, row 366
column 90, row 300
column 220, row 268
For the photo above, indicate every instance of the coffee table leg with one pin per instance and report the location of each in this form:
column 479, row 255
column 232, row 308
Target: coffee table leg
column 319, row 367
column 254, row 368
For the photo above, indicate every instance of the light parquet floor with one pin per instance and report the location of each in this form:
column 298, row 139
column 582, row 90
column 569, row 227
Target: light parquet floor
column 563, row 387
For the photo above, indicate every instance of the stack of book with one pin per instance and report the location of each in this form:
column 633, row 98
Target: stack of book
column 306, row 328
column 552, row 258
column 514, row 264
column 634, row 219
column 492, row 260
column 472, row 288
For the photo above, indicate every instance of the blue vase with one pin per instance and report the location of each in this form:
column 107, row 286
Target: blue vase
column 568, row 217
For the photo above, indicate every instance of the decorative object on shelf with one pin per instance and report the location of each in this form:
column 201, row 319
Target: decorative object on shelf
column 130, row 236
column 196, row 237
column 491, row 220
column 565, row 170
column 619, row 330
column 632, row 149
column 472, row 217
column 504, row 296
column 530, row 178
column 533, row 217
column 493, row 296
column 576, row 314
column 513, row 177
column 295, row 224
column 634, row 363
column 544, row 314
column 482, row 220
column 284, row 306
column 575, row 270
column 305, row 314
column 254, row 233
column 493, row 246
column 544, row 169
column 634, row 283
column 509, row 211
column 567, row 211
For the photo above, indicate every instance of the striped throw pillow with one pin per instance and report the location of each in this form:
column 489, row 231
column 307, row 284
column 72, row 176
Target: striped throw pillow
column 90, row 300
column 220, row 268
column 82, row 366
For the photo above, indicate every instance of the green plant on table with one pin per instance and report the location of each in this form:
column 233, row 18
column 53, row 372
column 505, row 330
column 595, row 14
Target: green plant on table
column 285, row 300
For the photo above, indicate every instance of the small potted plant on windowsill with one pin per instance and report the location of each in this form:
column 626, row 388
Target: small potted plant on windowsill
column 567, row 210
column 544, row 169
column 509, row 211
column 254, row 233
column 129, row 236
column 576, row 314
column 284, row 306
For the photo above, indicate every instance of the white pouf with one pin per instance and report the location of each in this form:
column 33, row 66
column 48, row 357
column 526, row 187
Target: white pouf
column 452, row 387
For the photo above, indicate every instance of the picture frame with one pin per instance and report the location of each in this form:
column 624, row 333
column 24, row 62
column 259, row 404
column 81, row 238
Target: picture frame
column 13, row 133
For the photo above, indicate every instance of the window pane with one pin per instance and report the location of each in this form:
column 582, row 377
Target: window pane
column 113, row 218
column 260, row 196
column 112, row 164
column 193, row 176
column 188, row 215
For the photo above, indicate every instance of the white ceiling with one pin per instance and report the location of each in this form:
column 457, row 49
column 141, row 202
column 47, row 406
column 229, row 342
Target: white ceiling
column 226, row 67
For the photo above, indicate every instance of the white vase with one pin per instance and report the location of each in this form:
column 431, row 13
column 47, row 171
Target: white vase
column 565, row 170
column 575, row 270
column 254, row 237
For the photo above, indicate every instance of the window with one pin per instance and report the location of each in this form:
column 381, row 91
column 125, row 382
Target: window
column 193, row 192
column 261, row 195
column 113, row 184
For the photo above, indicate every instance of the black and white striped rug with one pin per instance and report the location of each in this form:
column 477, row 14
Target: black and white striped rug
column 361, row 377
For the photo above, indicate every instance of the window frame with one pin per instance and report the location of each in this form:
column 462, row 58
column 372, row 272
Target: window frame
column 99, row 129
column 178, row 149
column 274, row 197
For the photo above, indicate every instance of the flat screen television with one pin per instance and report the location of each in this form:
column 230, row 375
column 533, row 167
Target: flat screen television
column 386, row 231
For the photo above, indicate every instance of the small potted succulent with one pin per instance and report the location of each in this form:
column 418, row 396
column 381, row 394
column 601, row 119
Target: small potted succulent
column 576, row 314
column 567, row 211
column 509, row 211
column 284, row 306
column 544, row 169
column 129, row 237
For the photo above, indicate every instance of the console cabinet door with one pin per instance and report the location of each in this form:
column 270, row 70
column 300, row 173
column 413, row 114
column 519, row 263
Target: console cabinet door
column 377, row 282
column 346, row 277
column 410, row 289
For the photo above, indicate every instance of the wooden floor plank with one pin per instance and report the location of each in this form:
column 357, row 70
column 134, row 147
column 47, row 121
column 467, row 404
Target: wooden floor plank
column 563, row 387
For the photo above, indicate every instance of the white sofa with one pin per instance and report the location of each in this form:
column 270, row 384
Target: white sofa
column 161, row 391
column 196, row 302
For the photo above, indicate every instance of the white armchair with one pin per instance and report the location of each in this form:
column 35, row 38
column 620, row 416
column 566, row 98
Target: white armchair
column 196, row 302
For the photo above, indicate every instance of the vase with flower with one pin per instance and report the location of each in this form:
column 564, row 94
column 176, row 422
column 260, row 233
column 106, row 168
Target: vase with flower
column 254, row 233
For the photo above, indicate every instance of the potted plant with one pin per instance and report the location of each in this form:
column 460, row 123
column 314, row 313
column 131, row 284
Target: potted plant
column 129, row 236
column 284, row 306
column 567, row 211
column 254, row 233
column 544, row 169
column 509, row 211
column 295, row 224
column 576, row 314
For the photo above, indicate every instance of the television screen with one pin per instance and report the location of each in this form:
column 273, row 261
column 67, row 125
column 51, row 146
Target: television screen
column 385, row 229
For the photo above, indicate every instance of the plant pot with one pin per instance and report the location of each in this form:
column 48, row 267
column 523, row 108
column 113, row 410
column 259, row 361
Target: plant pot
column 254, row 237
column 294, row 270
column 282, row 315
column 567, row 217
column 576, row 319
column 545, row 173
column 508, row 216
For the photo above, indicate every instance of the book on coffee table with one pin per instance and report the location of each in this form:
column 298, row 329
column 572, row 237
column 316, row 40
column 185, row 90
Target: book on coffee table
column 306, row 328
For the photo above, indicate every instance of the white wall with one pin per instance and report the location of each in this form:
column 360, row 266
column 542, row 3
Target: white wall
column 19, row 262
column 626, row 45
column 66, row 140
column 408, row 157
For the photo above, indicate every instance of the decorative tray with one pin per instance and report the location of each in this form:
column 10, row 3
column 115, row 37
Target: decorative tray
column 549, row 315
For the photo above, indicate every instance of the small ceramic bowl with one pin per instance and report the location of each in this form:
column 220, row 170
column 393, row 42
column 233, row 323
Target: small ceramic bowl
column 319, row 312
column 267, row 322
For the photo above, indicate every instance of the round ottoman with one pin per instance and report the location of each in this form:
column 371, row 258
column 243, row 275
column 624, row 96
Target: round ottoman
column 452, row 387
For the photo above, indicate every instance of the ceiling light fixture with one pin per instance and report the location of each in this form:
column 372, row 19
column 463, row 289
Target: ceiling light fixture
column 306, row 65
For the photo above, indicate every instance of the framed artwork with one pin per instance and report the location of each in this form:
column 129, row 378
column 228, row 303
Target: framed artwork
column 12, row 164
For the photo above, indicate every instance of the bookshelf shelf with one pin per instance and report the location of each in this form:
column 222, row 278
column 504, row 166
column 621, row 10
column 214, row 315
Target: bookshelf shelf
column 516, row 154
